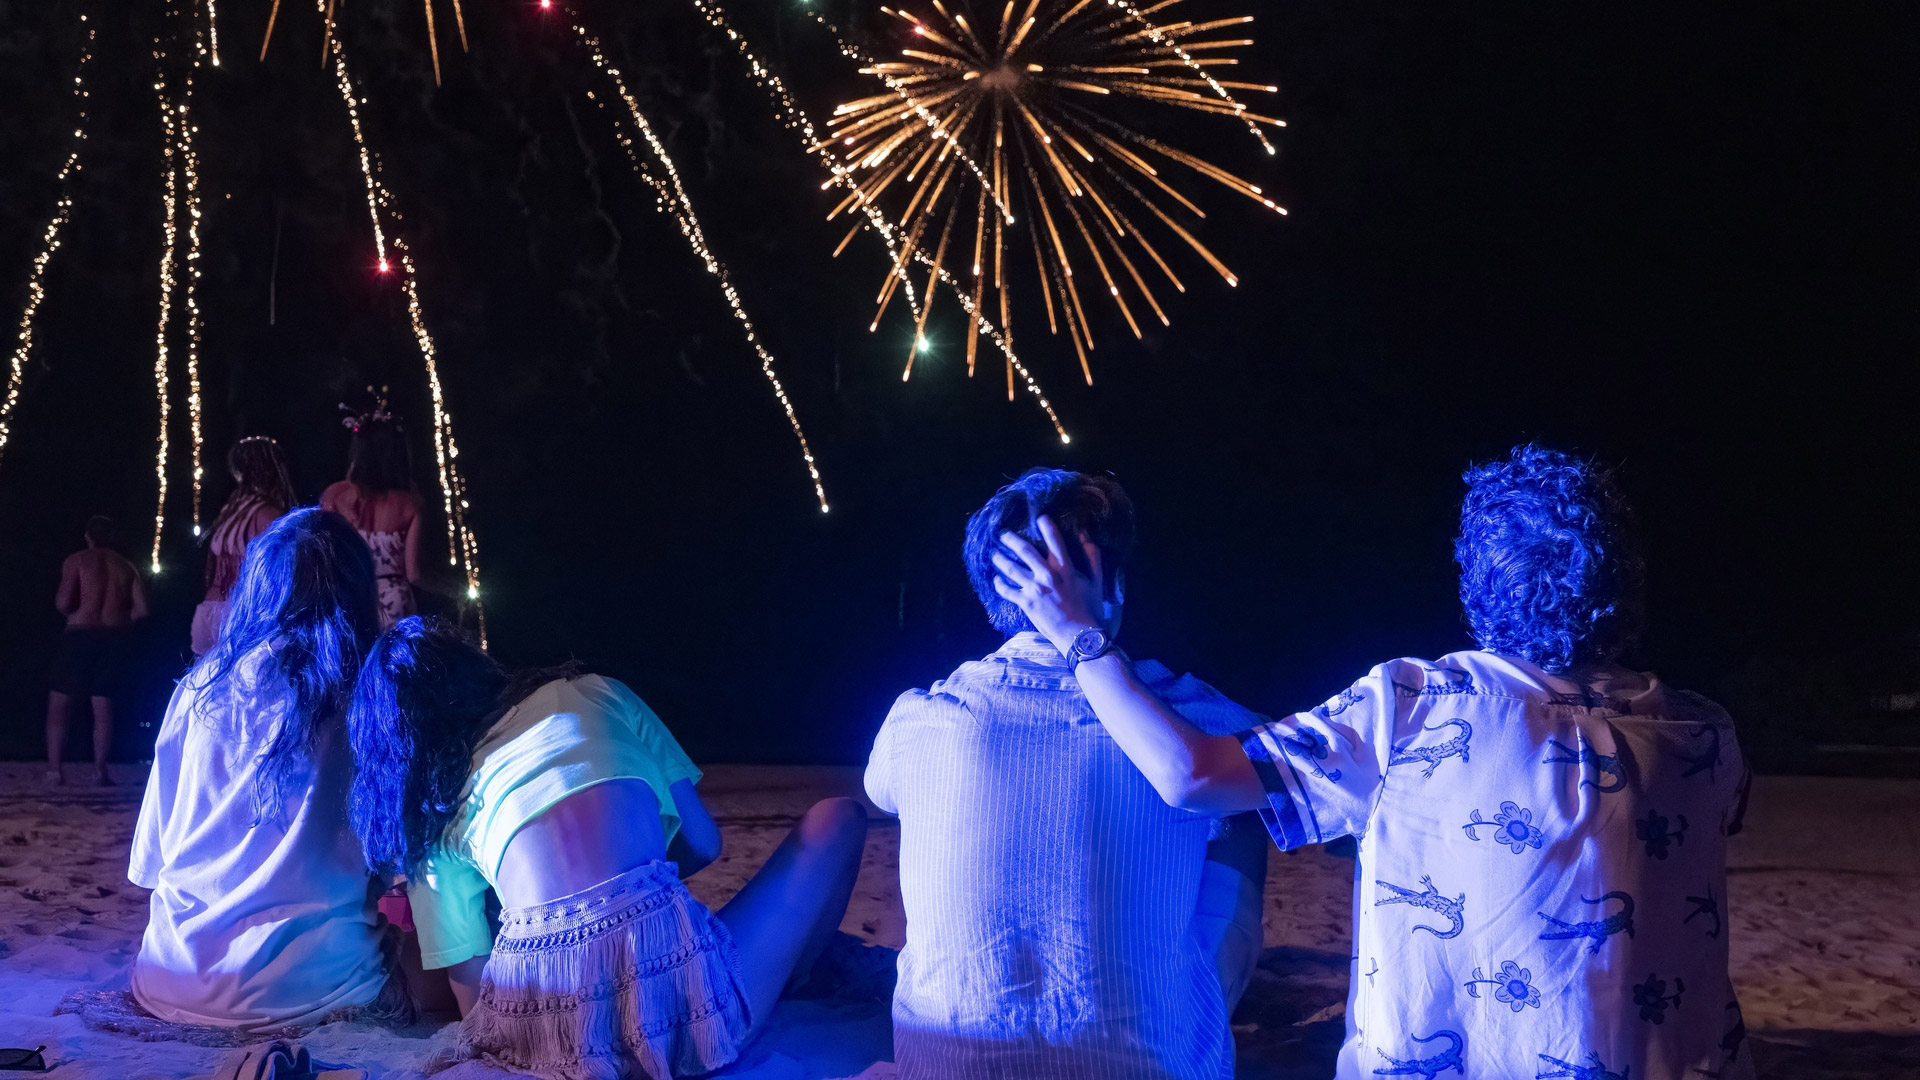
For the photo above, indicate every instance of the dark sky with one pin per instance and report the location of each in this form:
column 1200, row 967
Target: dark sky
column 1679, row 237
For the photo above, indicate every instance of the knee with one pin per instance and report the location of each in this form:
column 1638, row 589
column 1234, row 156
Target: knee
column 836, row 820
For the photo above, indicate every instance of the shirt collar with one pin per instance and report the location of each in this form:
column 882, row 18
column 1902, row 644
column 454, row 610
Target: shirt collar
column 1033, row 647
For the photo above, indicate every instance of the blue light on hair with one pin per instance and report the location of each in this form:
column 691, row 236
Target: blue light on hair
column 1548, row 572
column 1077, row 502
column 305, row 596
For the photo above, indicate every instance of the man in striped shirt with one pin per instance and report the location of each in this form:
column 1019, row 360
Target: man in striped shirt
column 1062, row 920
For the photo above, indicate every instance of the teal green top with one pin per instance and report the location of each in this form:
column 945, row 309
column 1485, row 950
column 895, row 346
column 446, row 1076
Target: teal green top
column 567, row 736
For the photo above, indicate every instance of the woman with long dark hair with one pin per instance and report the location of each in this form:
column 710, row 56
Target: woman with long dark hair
column 568, row 797
column 379, row 499
column 261, row 492
column 261, row 915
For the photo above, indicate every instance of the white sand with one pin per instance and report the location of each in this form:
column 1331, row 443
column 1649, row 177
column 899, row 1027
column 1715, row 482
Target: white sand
column 1826, row 939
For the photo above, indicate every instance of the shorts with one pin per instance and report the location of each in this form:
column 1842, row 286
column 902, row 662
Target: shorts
column 92, row 661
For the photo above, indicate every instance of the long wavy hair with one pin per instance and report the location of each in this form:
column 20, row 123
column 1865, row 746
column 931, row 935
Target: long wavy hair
column 425, row 697
column 305, row 603
column 1549, row 570
column 259, row 467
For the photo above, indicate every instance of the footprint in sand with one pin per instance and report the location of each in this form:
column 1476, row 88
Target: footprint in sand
column 90, row 933
column 40, row 895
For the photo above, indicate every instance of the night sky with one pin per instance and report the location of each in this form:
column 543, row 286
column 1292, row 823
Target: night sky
column 1681, row 238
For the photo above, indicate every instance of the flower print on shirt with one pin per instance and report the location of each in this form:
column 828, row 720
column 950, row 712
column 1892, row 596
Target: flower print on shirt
column 1652, row 998
column 1652, row 831
column 1512, row 826
column 1512, row 985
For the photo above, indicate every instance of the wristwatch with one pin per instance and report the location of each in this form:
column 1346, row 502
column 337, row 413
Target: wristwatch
column 1089, row 644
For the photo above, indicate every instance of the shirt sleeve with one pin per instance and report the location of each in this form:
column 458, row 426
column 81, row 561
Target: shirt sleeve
column 879, row 778
column 666, row 751
column 1322, row 769
column 449, row 902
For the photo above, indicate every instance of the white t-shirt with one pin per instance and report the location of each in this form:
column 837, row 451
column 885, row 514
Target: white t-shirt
column 251, row 926
column 1542, row 879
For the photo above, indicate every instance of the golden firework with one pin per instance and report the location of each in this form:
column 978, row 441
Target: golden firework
column 996, row 123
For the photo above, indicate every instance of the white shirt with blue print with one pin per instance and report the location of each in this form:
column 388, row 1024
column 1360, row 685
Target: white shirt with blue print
column 1541, row 889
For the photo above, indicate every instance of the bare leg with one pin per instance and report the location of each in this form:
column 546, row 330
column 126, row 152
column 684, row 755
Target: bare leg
column 58, row 705
column 788, row 912
column 1232, row 888
column 102, row 737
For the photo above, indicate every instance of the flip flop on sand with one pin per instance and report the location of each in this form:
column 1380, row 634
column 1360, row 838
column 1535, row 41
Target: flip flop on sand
column 282, row 1061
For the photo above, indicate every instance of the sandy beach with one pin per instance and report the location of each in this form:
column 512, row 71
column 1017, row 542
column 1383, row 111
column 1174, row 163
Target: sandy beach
column 1826, row 945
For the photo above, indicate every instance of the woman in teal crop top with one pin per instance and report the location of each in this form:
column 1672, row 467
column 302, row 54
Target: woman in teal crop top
column 570, row 799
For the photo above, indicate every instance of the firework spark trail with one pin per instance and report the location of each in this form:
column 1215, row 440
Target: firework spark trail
column 792, row 116
column 49, row 243
column 189, row 160
column 170, row 233
column 673, row 200
column 463, row 549
column 1012, row 93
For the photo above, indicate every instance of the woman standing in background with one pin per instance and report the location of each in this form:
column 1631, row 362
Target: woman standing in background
column 262, row 492
column 379, row 499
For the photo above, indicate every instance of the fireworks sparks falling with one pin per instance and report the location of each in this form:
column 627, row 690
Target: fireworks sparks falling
column 188, row 161
column 989, row 121
column 170, row 123
column 673, row 200
column 463, row 548
column 788, row 111
column 327, row 32
column 49, row 243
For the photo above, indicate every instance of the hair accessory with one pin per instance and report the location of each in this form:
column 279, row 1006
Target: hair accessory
column 378, row 413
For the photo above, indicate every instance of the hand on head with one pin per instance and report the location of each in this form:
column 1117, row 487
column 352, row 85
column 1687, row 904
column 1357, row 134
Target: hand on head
column 1053, row 592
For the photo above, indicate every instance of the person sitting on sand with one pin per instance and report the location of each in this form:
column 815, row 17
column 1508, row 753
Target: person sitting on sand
column 567, row 796
column 261, row 916
column 102, row 596
column 1061, row 920
column 1542, row 871
column 261, row 493
column 379, row 498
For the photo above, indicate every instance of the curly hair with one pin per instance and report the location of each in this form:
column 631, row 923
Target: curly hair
column 1549, row 571
column 1077, row 502
column 426, row 695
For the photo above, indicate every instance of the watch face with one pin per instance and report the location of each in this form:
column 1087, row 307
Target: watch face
column 1090, row 641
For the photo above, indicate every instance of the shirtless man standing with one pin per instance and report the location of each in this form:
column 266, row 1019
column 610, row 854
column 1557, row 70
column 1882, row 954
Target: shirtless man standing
column 102, row 595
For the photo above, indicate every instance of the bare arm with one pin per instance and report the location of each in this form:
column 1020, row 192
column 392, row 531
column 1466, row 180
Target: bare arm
column 137, row 610
column 464, row 978
column 698, row 842
column 1189, row 768
column 67, row 597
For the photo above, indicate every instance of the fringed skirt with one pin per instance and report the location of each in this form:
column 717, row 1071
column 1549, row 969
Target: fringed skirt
column 631, row 978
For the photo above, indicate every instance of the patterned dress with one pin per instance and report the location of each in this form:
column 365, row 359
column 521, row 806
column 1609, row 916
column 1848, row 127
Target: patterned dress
column 390, row 575
column 1541, row 889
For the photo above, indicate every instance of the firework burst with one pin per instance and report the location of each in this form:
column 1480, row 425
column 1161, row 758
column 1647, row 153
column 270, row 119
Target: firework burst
column 997, row 122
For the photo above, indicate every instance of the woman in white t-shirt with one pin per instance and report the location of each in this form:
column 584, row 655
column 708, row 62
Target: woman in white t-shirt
column 569, row 798
column 261, row 915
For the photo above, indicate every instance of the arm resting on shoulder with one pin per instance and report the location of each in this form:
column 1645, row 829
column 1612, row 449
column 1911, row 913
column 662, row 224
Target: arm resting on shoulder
column 1190, row 769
